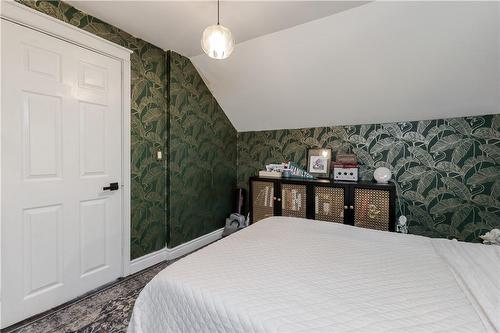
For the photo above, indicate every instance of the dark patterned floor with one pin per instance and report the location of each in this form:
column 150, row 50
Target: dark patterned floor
column 106, row 310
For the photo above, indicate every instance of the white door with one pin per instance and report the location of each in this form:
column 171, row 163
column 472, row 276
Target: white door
column 61, row 145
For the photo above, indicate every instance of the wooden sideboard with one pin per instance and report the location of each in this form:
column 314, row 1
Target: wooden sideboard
column 363, row 204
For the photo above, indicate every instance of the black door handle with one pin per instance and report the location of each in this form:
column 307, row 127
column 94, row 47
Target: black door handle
column 111, row 187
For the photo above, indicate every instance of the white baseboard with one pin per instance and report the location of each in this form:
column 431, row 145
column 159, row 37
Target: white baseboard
column 154, row 258
column 194, row 244
column 148, row 260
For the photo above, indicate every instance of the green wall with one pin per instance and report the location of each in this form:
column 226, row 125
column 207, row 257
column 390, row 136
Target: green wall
column 199, row 133
column 202, row 155
column 447, row 171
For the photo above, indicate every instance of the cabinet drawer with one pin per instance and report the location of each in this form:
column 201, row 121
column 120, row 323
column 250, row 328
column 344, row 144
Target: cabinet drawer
column 372, row 208
column 293, row 200
column 262, row 200
column 329, row 204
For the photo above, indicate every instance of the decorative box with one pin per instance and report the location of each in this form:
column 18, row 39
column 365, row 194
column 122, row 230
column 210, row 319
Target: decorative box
column 345, row 172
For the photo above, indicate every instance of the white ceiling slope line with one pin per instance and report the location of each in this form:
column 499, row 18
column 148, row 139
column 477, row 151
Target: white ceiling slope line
column 380, row 62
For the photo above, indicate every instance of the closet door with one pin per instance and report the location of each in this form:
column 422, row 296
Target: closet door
column 61, row 147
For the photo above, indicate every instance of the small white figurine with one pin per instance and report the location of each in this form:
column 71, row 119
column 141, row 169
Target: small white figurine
column 492, row 237
column 401, row 227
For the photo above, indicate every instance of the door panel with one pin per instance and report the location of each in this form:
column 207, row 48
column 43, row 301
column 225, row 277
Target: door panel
column 61, row 144
column 42, row 62
column 41, row 123
column 263, row 200
column 329, row 204
column 372, row 208
column 92, row 139
column 293, row 200
column 93, row 236
column 43, row 261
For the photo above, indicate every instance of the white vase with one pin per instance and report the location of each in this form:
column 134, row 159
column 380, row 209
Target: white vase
column 382, row 175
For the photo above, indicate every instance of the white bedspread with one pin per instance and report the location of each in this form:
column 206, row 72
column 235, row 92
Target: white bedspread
column 297, row 275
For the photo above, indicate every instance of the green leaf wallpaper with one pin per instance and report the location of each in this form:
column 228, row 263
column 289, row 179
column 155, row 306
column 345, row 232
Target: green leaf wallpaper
column 447, row 171
column 149, row 106
column 202, row 156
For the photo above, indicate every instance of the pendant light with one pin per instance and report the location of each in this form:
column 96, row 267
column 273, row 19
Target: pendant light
column 217, row 41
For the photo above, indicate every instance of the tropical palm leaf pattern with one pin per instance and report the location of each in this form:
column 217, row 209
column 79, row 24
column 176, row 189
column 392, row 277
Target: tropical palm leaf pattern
column 149, row 105
column 447, row 172
column 202, row 155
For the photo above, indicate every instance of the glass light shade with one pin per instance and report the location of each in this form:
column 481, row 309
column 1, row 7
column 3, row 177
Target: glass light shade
column 382, row 175
column 217, row 42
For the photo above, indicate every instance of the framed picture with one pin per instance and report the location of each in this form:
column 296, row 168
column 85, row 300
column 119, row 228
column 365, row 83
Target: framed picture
column 318, row 162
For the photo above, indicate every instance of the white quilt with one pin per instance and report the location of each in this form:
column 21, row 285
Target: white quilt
column 296, row 275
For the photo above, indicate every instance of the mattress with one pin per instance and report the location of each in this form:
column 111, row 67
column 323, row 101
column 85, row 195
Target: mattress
column 296, row 275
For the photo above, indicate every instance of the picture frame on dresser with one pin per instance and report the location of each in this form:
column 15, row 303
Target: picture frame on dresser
column 319, row 162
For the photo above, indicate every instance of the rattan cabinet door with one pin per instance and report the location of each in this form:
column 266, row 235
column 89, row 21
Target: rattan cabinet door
column 262, row 200
column 372, row 208
column 293, row 200
column 329, row 204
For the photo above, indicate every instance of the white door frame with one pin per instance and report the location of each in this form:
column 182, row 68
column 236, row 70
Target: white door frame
column 25, row 16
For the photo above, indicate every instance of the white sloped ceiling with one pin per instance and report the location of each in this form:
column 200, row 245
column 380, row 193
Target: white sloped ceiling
column 177, row 25
column 379, row 62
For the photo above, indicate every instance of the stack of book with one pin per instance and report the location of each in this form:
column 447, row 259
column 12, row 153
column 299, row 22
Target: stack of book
column 275, row 174
column 273, row 170
column 287, row 169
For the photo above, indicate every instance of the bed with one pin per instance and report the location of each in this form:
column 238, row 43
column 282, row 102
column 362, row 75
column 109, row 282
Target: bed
column 296, row 275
